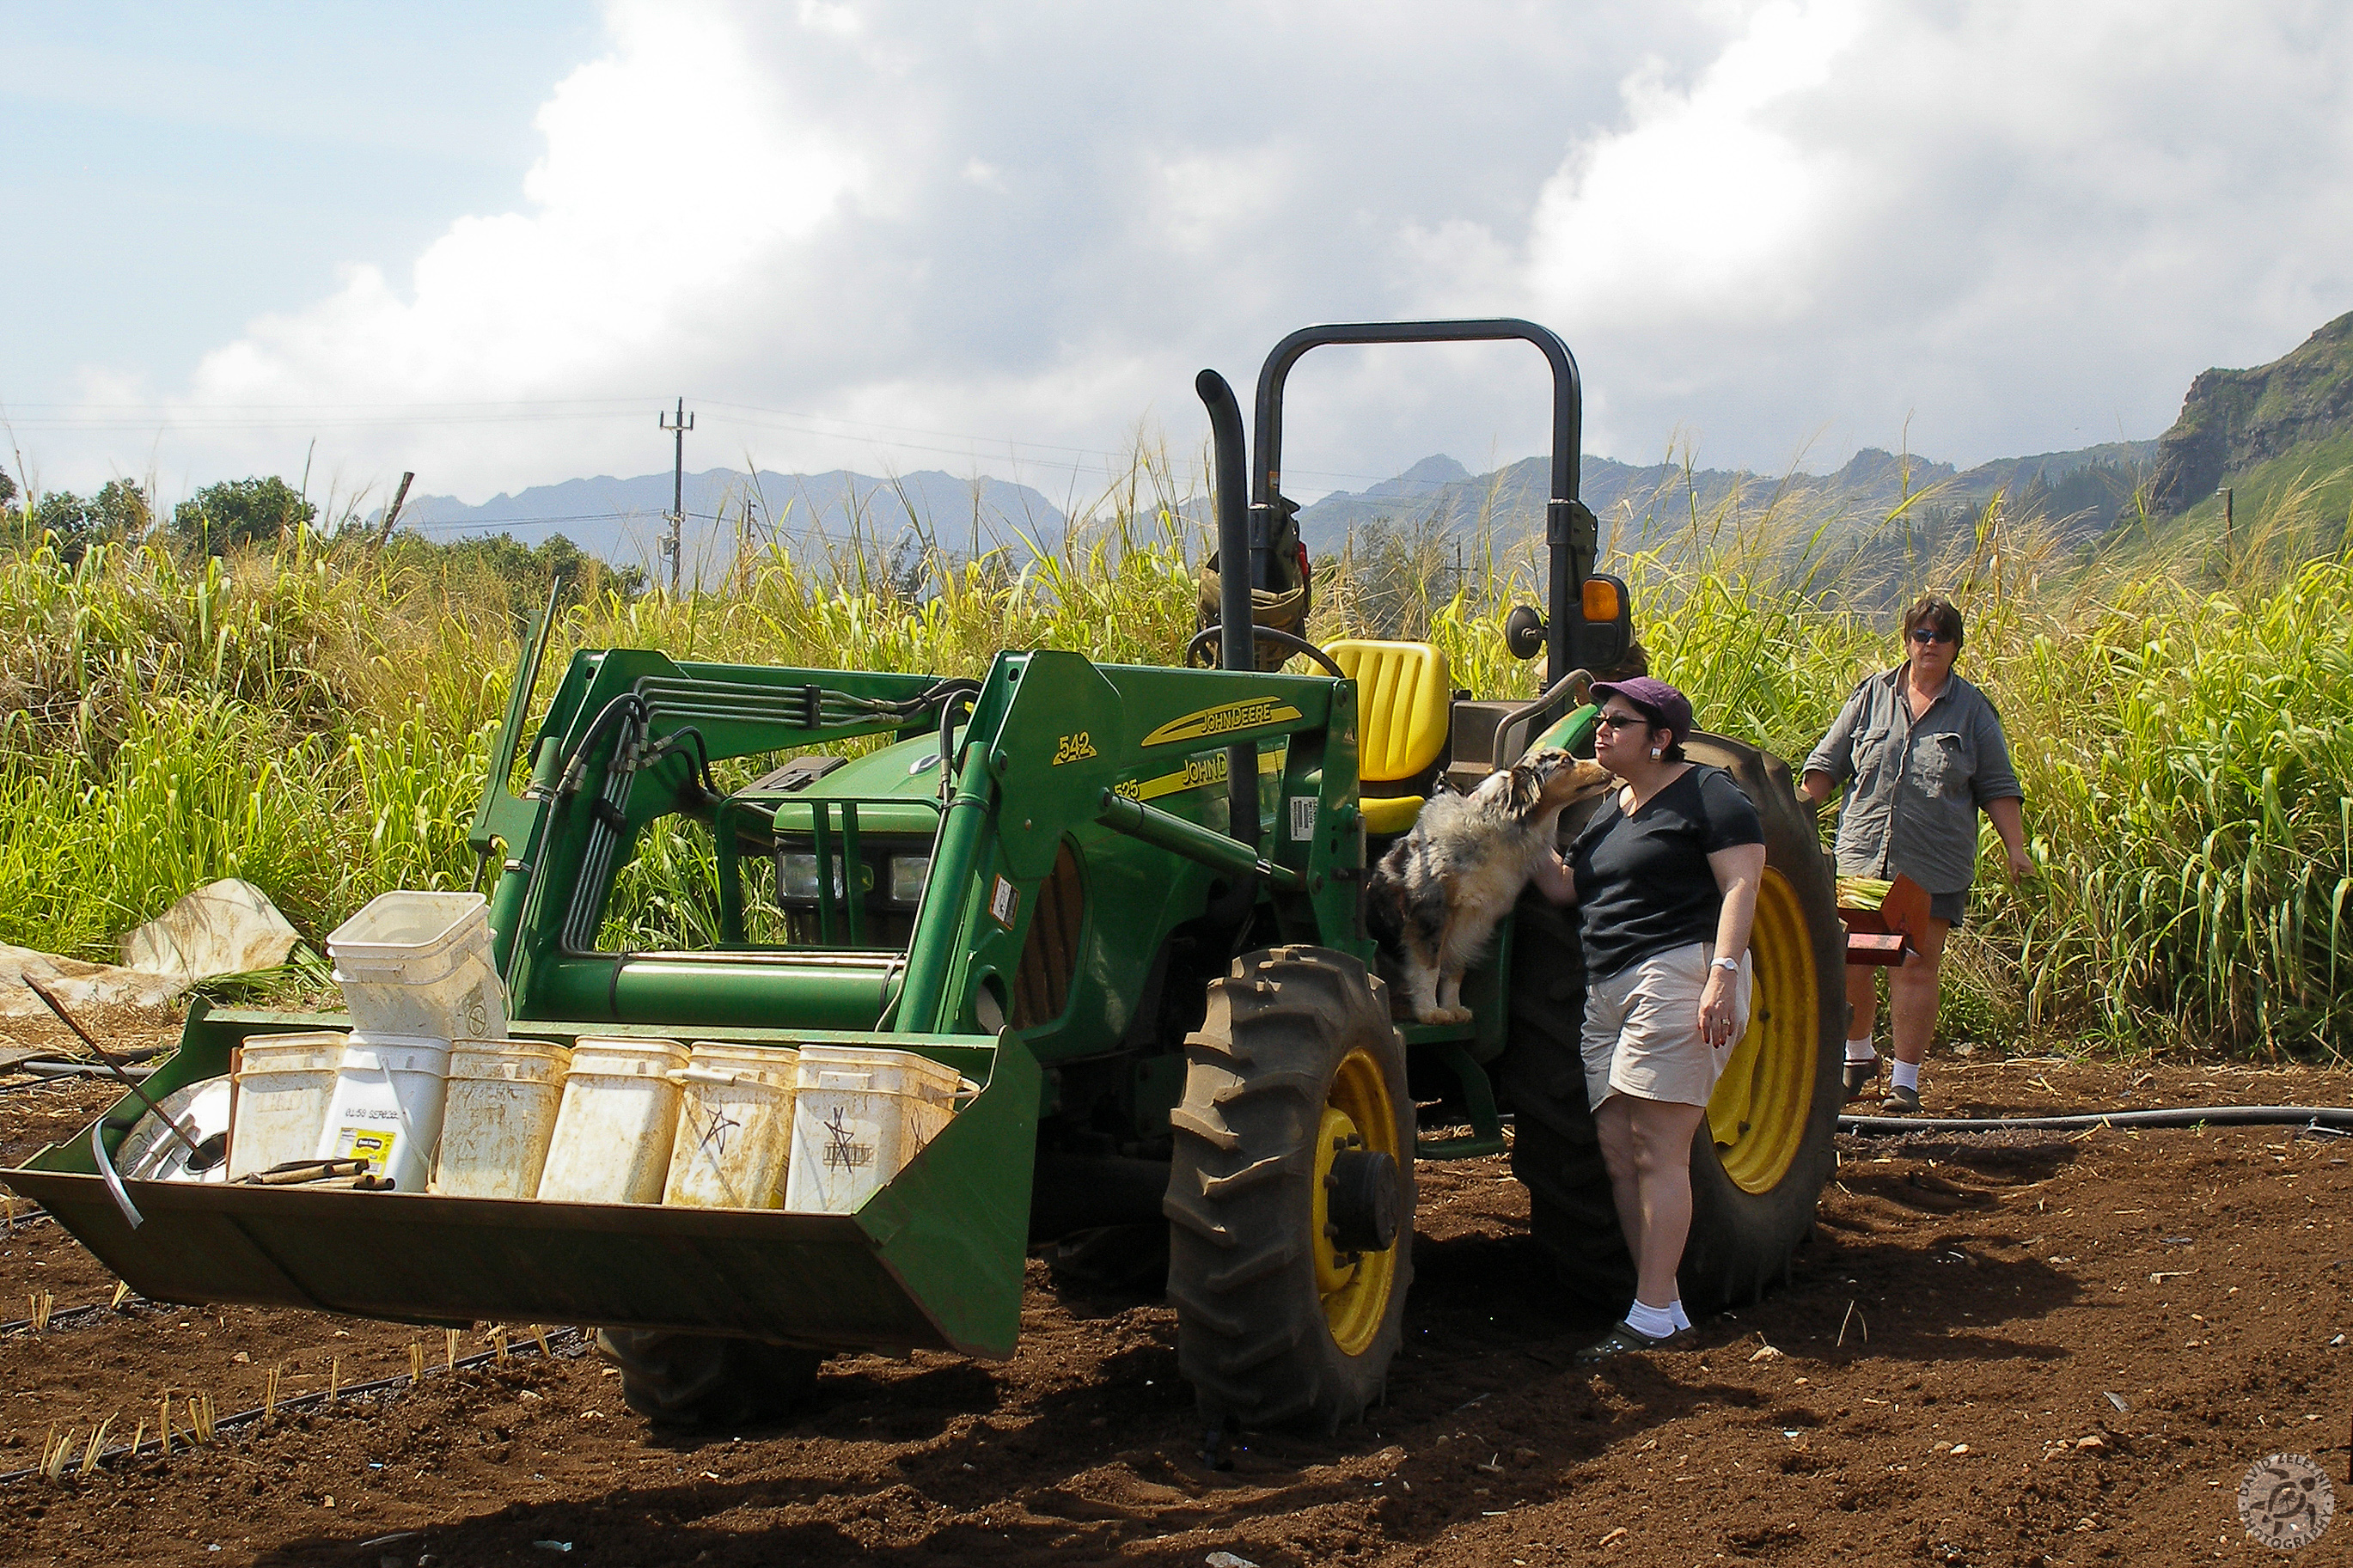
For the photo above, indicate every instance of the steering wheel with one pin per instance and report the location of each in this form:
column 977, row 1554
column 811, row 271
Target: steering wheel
column 1208, row 635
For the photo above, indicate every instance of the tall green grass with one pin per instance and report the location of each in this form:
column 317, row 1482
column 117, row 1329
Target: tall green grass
column 317, row 719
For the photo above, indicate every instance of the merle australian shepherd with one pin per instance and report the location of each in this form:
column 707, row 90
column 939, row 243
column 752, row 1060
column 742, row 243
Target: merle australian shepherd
column 1439, row 893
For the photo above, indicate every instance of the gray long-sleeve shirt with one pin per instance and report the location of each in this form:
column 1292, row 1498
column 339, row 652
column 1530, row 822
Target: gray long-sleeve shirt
column 1915, row 788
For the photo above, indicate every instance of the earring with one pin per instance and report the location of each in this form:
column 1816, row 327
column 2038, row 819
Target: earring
column 1657, row 752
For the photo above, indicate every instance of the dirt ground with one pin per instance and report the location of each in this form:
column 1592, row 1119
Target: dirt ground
column 2015, row 1349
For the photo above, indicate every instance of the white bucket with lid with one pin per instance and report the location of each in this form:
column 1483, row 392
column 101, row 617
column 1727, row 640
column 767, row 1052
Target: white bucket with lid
column 858, row 1115
column 420, row 964
column 616, row 1122
column 281, row 1087
column 386, row 1108
column 499, row 1116
column 735, row 1127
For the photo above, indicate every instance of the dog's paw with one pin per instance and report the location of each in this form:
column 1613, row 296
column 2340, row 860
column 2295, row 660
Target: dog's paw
column 1456, row 1014
column 1433, row 1014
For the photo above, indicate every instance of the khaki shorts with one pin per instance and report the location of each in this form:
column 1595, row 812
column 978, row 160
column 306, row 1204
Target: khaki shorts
column 1642, row 1028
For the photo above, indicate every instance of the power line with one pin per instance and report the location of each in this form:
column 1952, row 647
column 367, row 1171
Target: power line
column 108, row 416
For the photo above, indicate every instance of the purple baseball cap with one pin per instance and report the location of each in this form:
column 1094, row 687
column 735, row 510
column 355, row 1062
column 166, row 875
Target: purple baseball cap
column 1663, row 703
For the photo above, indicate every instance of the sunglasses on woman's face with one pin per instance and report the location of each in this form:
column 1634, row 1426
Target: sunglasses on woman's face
column 1622, row 721
column 1930, row 633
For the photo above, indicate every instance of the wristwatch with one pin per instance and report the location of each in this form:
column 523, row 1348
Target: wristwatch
column 1731, row 963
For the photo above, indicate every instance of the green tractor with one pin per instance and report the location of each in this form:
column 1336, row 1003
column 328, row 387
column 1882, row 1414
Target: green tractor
column 1126, row 903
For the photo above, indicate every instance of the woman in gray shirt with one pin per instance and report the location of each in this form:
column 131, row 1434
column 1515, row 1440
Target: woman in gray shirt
column 1921, row 751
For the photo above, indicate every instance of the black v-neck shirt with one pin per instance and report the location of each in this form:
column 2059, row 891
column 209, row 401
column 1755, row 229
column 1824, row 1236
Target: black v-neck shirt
column 1643, row 883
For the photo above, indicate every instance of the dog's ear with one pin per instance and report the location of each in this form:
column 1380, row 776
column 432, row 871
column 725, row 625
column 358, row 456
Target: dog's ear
column 1527, row 789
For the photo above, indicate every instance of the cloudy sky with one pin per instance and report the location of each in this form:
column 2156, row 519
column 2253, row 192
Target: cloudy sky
column 487, row 243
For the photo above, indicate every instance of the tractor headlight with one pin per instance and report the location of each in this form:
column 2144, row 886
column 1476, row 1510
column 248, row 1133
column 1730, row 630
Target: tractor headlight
column 908, row 874
column 798, row 874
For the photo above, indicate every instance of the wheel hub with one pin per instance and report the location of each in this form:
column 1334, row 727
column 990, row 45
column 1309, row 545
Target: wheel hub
column 1361, row 1200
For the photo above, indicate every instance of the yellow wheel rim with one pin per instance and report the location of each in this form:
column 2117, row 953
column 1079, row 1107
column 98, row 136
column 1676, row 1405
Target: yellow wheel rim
column 1759, row 1113
column 1356, row 1287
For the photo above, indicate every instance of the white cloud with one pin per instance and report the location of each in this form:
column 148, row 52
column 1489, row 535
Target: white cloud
column 2029, row 225
column 2023, row 226
column 1709, row 207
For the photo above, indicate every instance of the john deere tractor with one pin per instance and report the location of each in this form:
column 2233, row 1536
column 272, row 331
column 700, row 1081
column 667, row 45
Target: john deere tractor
column 1126, row 902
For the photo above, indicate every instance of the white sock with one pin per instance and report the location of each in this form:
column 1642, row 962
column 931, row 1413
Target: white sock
column 1907, row 1076
column 1682, row 1318
column 1861, row 1050
column 1652, row 1323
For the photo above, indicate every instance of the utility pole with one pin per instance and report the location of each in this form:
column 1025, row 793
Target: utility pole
column 679, row 426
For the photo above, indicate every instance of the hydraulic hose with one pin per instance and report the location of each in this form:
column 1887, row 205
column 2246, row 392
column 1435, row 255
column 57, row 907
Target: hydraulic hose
column 2333, row 1118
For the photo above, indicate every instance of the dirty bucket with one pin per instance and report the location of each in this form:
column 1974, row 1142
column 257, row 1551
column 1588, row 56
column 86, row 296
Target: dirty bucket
column 501, row 1114
column 386, row 1108
column 614, row 1130
column 281, row 1086
column 734, row 1128
column 859, row 1116
column 419, row 963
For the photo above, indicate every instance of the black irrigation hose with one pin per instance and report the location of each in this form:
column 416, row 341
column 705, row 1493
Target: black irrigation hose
column 304, row 1401
column 75, row 1313
column 2328, row 1118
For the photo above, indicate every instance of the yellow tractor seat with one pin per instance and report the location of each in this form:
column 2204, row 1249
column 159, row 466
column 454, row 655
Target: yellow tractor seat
column 1403, row 699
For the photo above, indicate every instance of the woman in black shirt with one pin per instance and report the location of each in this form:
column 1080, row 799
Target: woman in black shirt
column 1665, row 879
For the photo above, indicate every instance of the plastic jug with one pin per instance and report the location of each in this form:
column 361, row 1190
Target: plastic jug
column 615, row 1125
column 499, row 1116
column 734, row 1128
column 386, row 1108
column 859, row 1116
column 281, row 1087
column 420, row 964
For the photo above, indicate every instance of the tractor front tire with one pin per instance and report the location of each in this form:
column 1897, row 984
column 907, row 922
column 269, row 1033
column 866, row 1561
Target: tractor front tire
column 1764, row 1150
column 1290, row 1194
column 707, row 1380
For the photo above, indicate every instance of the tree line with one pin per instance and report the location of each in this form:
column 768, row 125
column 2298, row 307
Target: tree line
column 262, row 512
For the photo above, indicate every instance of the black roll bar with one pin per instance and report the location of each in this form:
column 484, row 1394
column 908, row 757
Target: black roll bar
column 1571, row 534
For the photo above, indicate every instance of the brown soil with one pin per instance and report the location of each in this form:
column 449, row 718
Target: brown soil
column 2012, row 1348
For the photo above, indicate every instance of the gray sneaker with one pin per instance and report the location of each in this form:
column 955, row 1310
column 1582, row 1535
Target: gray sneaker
column 1900, row 1101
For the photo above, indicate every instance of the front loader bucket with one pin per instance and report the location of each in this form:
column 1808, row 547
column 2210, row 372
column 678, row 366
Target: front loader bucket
column 934, row 1259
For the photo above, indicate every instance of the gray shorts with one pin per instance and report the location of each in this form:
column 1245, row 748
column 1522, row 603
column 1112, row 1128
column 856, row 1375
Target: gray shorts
column 1642, row 1028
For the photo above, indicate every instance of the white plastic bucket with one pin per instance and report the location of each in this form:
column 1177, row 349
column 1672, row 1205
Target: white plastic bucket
column 614, row 1130
column 387, row 1107
column 419, row 963
column 734, row 1128
column 859, row 1116
column 501, row 1114
column 281, row 1087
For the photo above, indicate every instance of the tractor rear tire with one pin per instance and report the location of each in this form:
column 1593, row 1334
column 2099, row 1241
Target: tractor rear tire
column 1555, row 1152
column 708, row 1380
column 1290, row 1194
column 1764, row 1150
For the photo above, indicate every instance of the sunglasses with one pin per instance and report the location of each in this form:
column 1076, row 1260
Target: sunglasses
column 1929, row 635
column 1622, row 721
